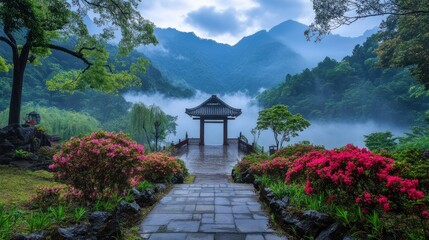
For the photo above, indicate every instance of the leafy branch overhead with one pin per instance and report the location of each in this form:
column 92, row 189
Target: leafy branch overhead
column 33, row 28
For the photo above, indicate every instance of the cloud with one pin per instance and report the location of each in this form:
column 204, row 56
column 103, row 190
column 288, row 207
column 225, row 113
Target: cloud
column 214, row 21
column 268, row 13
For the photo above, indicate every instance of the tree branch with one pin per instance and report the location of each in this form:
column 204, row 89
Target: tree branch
column 86, row 48
column 70, row 52
column 10, row 43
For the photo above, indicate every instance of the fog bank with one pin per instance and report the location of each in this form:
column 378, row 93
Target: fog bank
column 330, row 135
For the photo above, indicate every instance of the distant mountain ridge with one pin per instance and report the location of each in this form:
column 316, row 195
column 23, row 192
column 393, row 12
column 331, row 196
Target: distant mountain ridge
column 261, row 60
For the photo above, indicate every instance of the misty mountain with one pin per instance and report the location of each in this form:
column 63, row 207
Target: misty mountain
column 261, row 60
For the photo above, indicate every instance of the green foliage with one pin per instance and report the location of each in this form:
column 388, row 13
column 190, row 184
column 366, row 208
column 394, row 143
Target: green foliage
column 242, row 169
column 143, row 185
column 413, row 163
column 380, row 141
column 79, row 214
column 404, row 40
column 8, row 221
column 282, row 123
column 38, row 221
column 351, row 90
column 58, row 213
column 19, row 153
column 151, row 125
column 59, row 122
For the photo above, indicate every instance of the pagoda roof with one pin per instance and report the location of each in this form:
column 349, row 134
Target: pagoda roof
column 213, row 108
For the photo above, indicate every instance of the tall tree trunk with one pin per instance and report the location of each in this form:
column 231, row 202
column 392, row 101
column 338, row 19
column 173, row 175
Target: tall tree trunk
column 19, row 65
column 16, row 97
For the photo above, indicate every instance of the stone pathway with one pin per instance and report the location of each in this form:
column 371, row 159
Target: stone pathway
column 212, row 209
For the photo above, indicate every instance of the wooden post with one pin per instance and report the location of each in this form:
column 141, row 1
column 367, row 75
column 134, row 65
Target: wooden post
column 201, row 131
column 225, row 131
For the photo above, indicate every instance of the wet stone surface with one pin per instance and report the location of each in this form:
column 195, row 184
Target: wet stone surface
column 211, row 208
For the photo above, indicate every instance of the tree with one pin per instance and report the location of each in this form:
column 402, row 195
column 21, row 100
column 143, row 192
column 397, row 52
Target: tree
column 331, row 14
column 282, row 122
column 151, row 124
column 403, row 34
column 32, row 28
column 380, row 141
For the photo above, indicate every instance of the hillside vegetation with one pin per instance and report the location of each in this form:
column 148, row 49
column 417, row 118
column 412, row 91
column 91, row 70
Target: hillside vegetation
column 353, row 89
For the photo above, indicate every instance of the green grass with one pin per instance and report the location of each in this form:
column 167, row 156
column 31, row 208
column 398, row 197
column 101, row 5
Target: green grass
column 189, row 179
column 17, row 185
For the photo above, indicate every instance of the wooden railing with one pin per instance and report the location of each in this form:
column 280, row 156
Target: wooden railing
column 245, row 147
column 241, row 141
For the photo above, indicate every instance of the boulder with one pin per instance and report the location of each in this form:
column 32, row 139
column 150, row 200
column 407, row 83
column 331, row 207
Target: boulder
column 307, row 228
column 320, row 219
column 104, row 225
column 335, row 231
column 39, row 235
column 17, row 134
column 277, row 205
column 257, row 184
column 179, row 178
column 159, row 187
column 79, row 232
column 127, row 212
column 266, row 195
column 145, row 198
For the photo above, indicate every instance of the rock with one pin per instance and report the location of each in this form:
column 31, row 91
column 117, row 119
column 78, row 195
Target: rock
column 17, row 134
column 269, row 195
column 39, row 235
column 159, row 187
column 307, row 228
column 257, row 184
column 6, row 146
column 320, row 219
column 289, row 219
column 79, row 232
column 146, row 198
column 335, row 231
column 5, row 159
column 104, row 225
column 277, row 205
column 127, row 212
column 247, row 177
column 179, row 178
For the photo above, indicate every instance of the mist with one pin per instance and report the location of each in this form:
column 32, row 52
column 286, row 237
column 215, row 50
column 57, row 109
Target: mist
column 329, row 134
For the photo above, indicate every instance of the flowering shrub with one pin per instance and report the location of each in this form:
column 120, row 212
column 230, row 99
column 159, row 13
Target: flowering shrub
column 243, row 171
column 354, row 175
column 282, row 160
column 46, row 197
column 98, row 163
column 297, row 150
column 159, row 167
column 276, row 167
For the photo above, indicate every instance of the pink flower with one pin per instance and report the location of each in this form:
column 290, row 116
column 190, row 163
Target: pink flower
column 308, row 188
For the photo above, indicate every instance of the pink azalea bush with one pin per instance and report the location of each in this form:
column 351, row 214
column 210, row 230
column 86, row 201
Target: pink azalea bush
column 282, row 160
column 276, row 167
column 99, row 163
column 354, row 175
column 46, row 197
column 159, row 167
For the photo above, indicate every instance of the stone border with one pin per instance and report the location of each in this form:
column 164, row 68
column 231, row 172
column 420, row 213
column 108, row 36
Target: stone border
column 307, row 224
column 102, row 225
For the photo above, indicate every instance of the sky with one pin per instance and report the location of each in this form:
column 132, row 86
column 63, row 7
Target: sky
column 227, row 21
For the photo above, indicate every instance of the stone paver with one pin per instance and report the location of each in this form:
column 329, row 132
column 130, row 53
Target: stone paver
column 211, row 208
